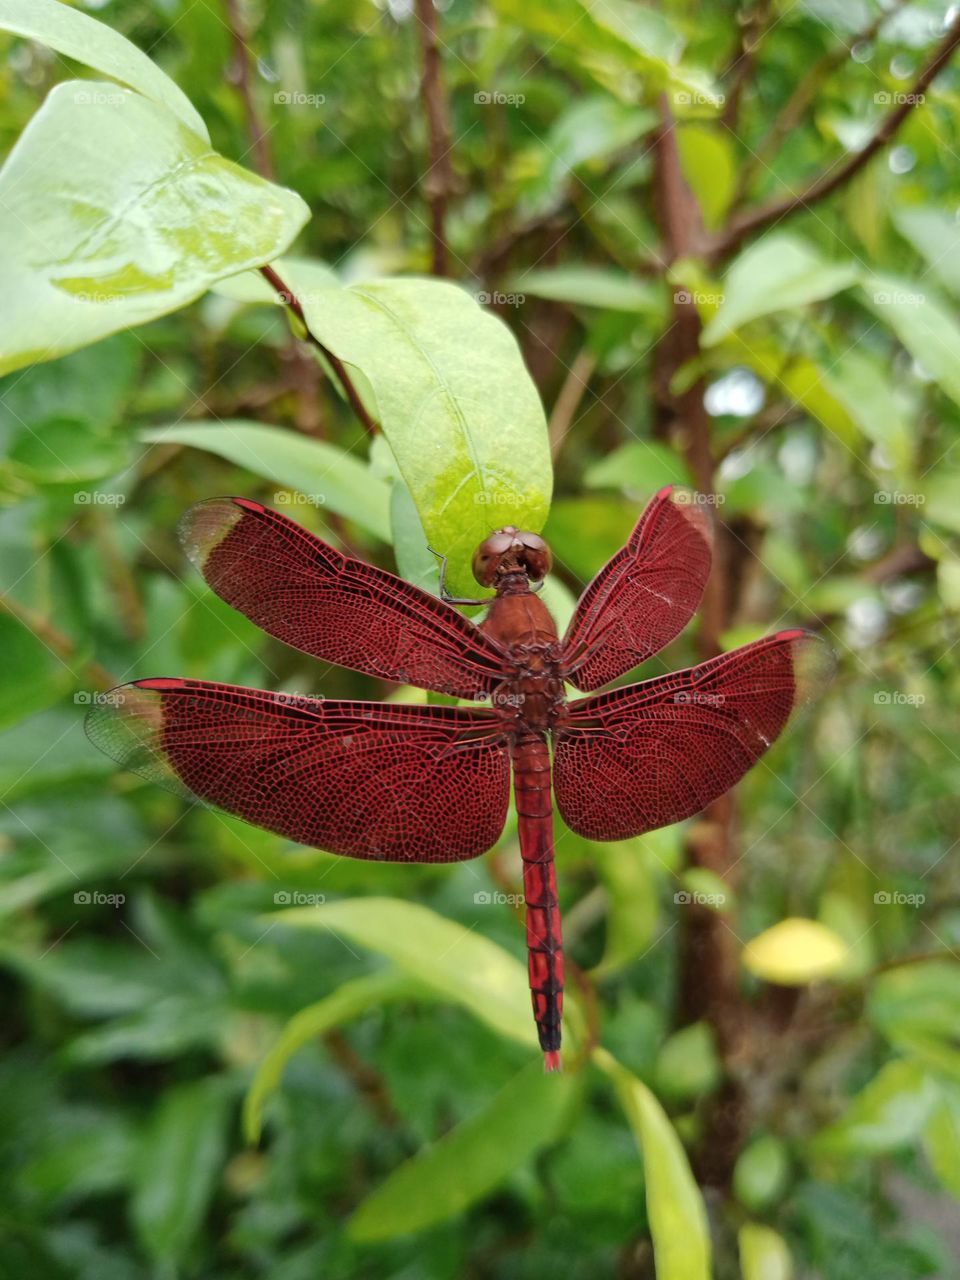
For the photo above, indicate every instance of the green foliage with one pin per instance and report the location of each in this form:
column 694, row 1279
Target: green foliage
column 226, row 1056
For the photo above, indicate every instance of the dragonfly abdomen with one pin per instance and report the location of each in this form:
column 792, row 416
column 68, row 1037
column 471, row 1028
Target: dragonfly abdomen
column 531, row 776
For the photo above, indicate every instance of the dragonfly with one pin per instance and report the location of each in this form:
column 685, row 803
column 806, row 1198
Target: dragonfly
column 430, row 783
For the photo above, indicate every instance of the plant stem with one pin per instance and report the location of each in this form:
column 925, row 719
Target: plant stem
column 438, row 183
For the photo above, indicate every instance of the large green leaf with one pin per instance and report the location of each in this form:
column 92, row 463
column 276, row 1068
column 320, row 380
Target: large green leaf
column 778, row 273
column 96, row 45
column 113, row 212
column 678, row 1219
column 346, row 1003
column 941, row 1139
column 925, row 326
column 326, row 475
column 459, row 409
column 591, row 287
column 456, row 962
column 888, row 1113
column 609, row 37
column 935, row 234
column 177, row 1167
column 528, row 1114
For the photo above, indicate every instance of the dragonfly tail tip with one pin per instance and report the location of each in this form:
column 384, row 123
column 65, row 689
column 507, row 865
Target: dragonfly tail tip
column 551, row 1060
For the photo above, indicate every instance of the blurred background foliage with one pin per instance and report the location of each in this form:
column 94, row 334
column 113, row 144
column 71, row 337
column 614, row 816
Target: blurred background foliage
column 595, row 170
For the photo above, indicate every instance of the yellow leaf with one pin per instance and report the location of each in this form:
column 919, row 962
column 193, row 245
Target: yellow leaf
column 795, row 952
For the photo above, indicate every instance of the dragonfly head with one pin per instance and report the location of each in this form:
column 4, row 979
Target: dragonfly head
column 511, row 550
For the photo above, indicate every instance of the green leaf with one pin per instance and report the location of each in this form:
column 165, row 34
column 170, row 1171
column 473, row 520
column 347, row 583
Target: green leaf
column 96, row 45
column 528, row 1114
column 687, row 1065
column 325, row 474
column 764, row 1254
column 639, row 468
column 923, row 324
column 872, row 399
column 415, row 561
column 935, row 234
column 761, row 1173
column 455, row 402
column 300, row 275
column 922, row 998
column 632, row 910
column 114, row 212
column 710, row 169
column 606, row 40
column 890, row 1112
column 456, row 962
column 32, row 677
column 591, row 287
column 178, row 1165
column 346, row 1003
column 778, row 273
column 675, row 1209
column 941, row 1139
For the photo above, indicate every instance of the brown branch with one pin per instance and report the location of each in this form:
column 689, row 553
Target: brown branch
column 801, row 98
column 744, row 225
column 708, row 982
column 291, row 300
column 439, row 183
column 754, row 26
column 239, row 74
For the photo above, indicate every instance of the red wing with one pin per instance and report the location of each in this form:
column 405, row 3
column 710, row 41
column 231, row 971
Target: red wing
column 345, row 611
column 638, row 758
column 364, row 779
column 645, row 595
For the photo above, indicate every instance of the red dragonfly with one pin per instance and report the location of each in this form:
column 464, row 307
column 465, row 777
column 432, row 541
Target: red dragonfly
column 405, row 783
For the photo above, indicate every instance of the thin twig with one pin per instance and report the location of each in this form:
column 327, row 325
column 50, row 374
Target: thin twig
column 287, row 296
column 240, row 74
column 438, row 183
column 731, row 238
column 569, row 397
